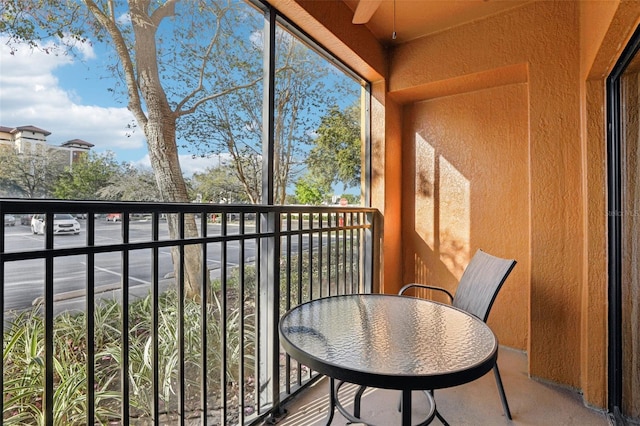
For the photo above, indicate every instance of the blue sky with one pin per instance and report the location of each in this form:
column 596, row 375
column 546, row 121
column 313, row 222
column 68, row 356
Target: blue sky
column 69, row 97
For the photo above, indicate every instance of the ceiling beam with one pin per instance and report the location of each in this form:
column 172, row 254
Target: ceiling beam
column 365, row 10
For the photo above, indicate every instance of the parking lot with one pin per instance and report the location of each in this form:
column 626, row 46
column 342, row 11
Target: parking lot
column 24, row 280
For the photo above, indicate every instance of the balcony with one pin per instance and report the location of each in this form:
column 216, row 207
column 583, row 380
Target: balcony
column 112, row 334
column 477, row 403
column 157, row 364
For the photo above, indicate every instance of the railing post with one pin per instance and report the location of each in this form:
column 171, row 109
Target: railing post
column 269, row 311
column 48, row 323
column 370, row 253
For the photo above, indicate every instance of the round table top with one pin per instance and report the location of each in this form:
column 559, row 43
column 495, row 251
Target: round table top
column 388, row 341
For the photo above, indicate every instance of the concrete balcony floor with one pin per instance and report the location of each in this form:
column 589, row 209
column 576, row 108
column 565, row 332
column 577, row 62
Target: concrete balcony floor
column 476, row 403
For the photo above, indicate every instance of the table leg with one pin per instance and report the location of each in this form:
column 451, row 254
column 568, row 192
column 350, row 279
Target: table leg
column 332, row 400
column 406, row 408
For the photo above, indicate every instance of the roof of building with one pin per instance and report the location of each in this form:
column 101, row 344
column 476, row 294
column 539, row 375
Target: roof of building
column 73, row 143
column 78, row 143
column 30, row 128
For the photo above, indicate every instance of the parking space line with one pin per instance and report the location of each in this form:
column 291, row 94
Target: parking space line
column 108, row 271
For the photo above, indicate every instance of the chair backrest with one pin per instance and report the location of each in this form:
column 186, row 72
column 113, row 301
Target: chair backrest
column 480, row 283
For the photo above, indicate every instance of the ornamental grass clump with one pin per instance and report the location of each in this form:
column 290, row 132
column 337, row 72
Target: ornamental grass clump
column 24, row 359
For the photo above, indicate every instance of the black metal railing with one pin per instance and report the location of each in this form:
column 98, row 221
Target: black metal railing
column 160, row 313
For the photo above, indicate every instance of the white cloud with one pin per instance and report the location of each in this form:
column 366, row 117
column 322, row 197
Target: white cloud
column 257, row 38
column 31, row 94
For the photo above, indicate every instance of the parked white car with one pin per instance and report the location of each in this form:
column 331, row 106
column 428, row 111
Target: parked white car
column 62, row 224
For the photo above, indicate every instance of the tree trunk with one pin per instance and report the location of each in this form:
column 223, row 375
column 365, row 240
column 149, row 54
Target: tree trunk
column 165, row 163
column 159, row 127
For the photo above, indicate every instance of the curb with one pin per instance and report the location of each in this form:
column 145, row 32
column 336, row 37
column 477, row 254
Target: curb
column 77, row 293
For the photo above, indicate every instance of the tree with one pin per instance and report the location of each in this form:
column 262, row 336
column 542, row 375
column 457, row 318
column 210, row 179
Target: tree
column 131, row 184
column 194, row 69
column 29, row 175
column 336, row 156
column 219, row 185
column 235, row 125
column 310, row 190
column 87, row 177
column 166, row 53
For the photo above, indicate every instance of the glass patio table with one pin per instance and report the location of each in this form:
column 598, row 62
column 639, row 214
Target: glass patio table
column 389, row 342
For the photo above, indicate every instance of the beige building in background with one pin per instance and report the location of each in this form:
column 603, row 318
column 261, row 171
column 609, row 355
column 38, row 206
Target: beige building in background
column 33, row 140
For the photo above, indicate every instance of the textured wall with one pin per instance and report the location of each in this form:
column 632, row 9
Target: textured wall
column 469, row 189
column 544, row 38
column 386, row 182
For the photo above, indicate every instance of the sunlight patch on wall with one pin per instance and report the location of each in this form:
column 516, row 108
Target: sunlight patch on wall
column 424, row 200
column 455, row 218
column 442, row 201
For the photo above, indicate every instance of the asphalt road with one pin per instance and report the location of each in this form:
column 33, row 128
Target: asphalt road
column 24, row 280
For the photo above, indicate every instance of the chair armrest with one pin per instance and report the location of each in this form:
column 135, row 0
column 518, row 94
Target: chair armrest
column 425, row 287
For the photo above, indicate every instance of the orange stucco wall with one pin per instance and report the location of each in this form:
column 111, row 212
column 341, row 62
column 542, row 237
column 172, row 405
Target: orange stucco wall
column 492, row 135
column 468, row 189
column 542, row 174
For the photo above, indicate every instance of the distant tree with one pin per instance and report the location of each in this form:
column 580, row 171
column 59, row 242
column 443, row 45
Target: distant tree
column 131, row 184
column 85, row 178
column 29, row 175
column 219, row 185
column 234, row 123
column 336, row 154
column 312, row 191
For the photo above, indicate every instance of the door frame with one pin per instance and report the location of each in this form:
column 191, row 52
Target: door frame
column 615, row 214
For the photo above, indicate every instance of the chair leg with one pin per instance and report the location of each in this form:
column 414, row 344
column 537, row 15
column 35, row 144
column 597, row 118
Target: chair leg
column 503, row 397
column 356, row 401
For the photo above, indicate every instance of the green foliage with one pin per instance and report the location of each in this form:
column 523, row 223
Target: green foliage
column 23, row 357
column 36, row 21
column 131, row 184
column 305, row 87
column 86, row 177
column 311, row 190
column 219, row 185
column 231, row 325
column 23, row 364
column 336, row 156
column 45, row 173
column 30, row 175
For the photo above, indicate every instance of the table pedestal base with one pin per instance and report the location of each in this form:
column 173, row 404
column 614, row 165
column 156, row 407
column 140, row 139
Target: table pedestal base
column 405, row 407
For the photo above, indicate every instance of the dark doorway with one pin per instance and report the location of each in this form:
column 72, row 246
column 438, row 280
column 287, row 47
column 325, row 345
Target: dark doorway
column 623, row 110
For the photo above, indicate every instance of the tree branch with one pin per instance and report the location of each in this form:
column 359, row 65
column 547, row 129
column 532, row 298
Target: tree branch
column 164, row 11
column 215, row 96
column 135, row 104
column 205, row 61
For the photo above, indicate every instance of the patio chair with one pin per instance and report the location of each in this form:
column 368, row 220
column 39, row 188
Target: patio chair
column 477, row 290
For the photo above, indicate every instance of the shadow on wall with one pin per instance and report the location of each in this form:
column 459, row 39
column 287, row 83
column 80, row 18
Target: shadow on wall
column 431, row 269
